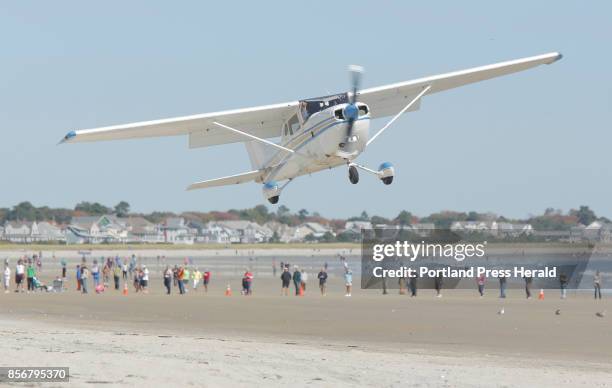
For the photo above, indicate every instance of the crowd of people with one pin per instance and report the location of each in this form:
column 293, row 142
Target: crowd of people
column 110, row 272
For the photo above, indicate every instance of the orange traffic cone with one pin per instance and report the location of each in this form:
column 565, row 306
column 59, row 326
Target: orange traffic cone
column 541, row 296
column 228, row 290
column 125, row 289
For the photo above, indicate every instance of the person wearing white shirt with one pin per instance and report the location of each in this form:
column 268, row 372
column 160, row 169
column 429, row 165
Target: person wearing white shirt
column 19, row 275
column 7, row 278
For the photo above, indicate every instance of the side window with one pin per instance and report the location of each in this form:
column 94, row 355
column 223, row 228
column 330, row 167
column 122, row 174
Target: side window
column 294, row 124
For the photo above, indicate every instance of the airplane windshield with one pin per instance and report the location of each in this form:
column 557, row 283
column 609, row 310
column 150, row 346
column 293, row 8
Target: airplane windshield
column 311, row 106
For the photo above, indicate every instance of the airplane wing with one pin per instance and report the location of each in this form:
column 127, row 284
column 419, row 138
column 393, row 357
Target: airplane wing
column 228, row 180
column 263, row 121
column 390, row 99
column 266, row 121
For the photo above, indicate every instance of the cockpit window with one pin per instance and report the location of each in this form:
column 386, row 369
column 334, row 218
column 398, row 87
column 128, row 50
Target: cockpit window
column 311, row 106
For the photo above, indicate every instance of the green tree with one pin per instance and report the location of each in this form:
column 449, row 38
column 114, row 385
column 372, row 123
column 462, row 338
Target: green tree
column 302, row 214
column 404, row 218
column 584, row 214
column 93, row 209
column 122, row 209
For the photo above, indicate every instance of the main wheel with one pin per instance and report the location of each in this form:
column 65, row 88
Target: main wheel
column 353, row 175
column 273, row 200
column 388, row 180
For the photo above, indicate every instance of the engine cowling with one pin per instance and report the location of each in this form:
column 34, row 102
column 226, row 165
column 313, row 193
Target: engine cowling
column 386, row 172
column 271, row 191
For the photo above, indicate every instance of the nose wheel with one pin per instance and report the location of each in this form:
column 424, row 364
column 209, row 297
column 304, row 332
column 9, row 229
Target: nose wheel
column 353, row 175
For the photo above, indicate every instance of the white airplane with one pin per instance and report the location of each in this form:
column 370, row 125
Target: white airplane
column 315, row 133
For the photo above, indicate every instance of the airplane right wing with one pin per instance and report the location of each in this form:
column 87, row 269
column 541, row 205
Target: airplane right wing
column 387, row 100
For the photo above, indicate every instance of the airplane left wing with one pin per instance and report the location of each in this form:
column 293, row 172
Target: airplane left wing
column 228, row 180
column 262, row 121
column 387, row 100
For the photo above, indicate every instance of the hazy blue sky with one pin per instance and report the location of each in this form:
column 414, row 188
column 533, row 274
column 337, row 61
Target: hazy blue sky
column 513, row 145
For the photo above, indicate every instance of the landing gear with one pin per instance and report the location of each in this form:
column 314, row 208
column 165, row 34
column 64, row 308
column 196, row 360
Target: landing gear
column 353, row 175
column 274, row 200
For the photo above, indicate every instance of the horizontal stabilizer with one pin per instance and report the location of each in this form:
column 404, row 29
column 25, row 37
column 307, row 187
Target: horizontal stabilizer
column 228, row 180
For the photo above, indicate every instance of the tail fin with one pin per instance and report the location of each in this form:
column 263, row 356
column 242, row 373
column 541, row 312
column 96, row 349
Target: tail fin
column 259, row 153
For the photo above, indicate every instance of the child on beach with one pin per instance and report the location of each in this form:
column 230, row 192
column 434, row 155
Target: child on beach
column 348, row 280
column 481, row 284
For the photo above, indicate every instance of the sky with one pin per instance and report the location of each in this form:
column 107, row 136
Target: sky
column 513, row 145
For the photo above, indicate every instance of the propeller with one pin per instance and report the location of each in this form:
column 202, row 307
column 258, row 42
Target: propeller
column 351, row 111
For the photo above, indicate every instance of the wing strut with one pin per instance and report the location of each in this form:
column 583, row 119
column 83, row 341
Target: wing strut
column 254, row 137
column 399, row 114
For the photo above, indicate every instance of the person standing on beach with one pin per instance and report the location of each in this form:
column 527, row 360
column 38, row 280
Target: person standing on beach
column 285, row 280
column 247, row 282
column 116, row 276
column 106, row 276
column 180, row 273
column 7, row 277
column 438, row 281
column 84, row 278
column 502, row 286
column 481, row 284
column 304, row 280
column 124, row 270
column 412, row 282
column 322, row 276
column 348, row 280
column 19, row 275
column 597, row 285
column 31, row 273
column 528, row 281
column 168, row 275
column 273, row 267
column 144, row 283
column 563, row 285
column 78, row 277
column 197, row 276
column 186, row 277
column 206, row 278
column 297, row 280
column 64, row 266
column 95, row 273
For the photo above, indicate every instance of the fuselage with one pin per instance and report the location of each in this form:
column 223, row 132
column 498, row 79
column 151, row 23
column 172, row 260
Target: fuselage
column 319, row 141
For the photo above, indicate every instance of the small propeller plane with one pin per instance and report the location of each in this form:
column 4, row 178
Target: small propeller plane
column 315, row 133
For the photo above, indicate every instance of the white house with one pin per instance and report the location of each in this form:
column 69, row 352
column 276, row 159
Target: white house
column 176, row 231
column 17, row 232
column 247, row 231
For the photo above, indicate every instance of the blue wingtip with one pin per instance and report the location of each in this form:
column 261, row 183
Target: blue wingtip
column 68, row 136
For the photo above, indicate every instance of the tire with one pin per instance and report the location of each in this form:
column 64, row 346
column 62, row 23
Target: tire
column 273, row 200
column 353, row 175
column 388, row 180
